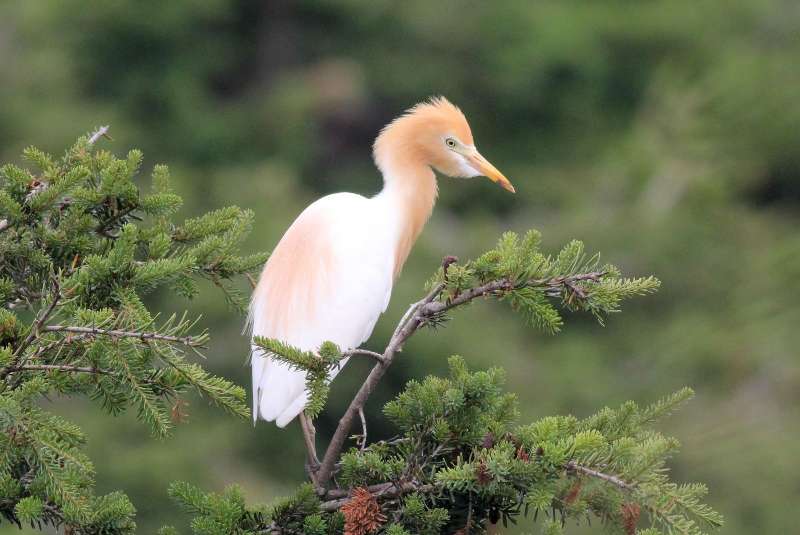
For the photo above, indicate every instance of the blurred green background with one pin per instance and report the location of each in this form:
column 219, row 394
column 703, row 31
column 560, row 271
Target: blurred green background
column 665, row 134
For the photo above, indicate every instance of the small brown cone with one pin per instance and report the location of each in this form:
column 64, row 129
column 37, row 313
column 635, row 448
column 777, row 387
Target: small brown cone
column 362, row 514
column 630, row 517
column 574, row 492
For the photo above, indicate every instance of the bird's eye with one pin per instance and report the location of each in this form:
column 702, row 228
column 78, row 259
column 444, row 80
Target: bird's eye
column 450, row 142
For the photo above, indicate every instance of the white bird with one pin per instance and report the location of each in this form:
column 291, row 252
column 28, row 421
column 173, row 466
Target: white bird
column 331, row 275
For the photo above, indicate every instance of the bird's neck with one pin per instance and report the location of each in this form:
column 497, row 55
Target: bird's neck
column 410, row 191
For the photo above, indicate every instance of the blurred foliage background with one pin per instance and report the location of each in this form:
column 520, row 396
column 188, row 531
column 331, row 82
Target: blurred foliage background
column 665, row 134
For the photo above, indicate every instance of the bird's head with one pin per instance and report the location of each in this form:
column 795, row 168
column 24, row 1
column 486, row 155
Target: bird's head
column 434, row 133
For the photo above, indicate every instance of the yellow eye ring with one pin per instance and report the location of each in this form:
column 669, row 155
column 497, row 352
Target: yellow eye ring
column 450, row 142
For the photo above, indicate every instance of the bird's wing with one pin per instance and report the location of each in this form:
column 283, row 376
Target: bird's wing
column 329, row 278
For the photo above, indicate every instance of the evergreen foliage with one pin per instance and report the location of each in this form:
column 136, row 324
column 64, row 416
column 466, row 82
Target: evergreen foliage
column 461, row 462
column 662, row 139
column 80, row 246
column 317, row 365
column 530, row 280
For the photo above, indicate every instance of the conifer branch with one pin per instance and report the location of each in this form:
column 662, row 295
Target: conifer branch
column 363, row 352
column 18, row 357
column 408, row 325
column 572, row 466
column 416, row 317
column 42, row 317
column 103, row 227
column 460, row 460
column 191, row 341
column 79, row 240
column 335, row 498
column 61, row 368
column 55, row 344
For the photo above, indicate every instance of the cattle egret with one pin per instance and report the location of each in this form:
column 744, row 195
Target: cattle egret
column 331, row 275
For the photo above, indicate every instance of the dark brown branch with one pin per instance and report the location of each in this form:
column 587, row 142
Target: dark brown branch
column 414, row 318
column 190, row 341
column 506, row 285
column 338, row 497
column 60, row 368
column 335, row 498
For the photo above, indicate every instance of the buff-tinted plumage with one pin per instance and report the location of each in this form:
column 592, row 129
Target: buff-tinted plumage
column 330, row 277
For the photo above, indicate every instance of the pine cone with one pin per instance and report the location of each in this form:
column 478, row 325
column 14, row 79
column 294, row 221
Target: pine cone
column 630, row 517
column 362, row 514
column 574, row 492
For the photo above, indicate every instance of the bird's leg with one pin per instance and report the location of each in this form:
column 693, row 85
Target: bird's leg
column 409, row 313
column 362, row 440
column 309, row 435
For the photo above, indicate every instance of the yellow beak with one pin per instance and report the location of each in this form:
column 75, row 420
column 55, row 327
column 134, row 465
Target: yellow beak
column 482, row 165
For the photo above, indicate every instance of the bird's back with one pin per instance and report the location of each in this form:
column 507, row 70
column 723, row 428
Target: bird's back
column 328, row 279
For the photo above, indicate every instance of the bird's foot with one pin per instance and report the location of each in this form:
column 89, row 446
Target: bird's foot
column 309, row 435
column 312, row 467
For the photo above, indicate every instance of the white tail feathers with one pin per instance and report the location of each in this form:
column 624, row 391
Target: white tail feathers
column 278, row 391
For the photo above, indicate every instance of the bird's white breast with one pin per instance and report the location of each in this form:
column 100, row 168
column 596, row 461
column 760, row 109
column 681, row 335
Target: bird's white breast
column 329, row 278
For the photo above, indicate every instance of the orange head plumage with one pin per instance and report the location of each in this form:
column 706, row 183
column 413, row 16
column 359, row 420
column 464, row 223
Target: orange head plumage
column 436, row 134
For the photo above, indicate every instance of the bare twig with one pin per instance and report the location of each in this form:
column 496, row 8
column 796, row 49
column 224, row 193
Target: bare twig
column 364, row 352
column 190, row 341
column 60, row 368
column 97, row 134
column 433, row 294
column 572, row 466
